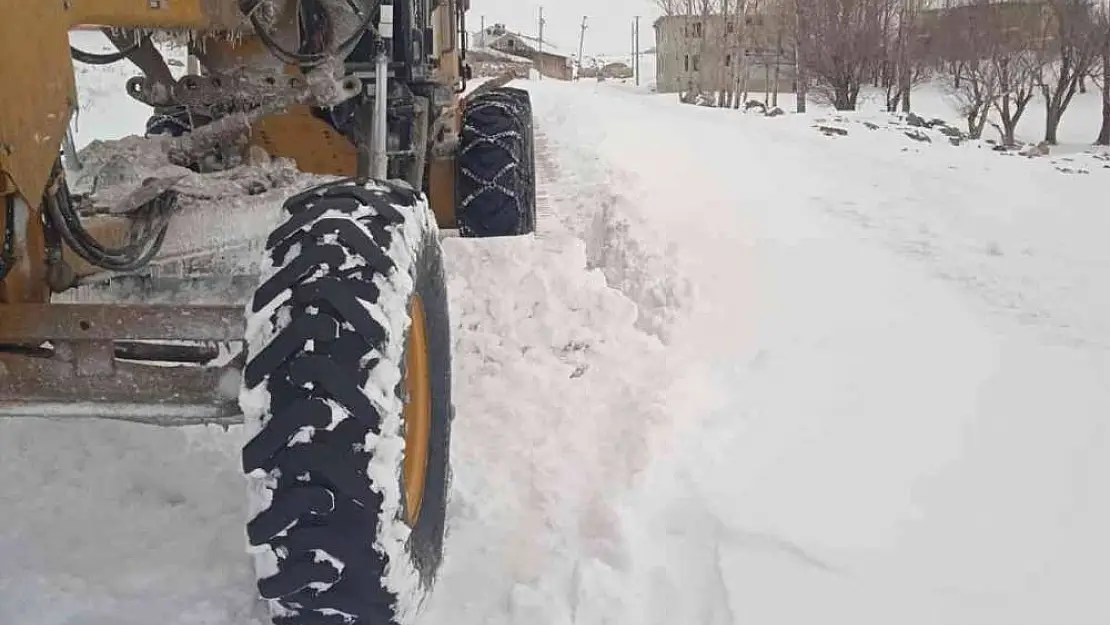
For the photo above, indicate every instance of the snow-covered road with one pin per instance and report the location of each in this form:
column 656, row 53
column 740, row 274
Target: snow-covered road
column 745, row 373
column 898, row 442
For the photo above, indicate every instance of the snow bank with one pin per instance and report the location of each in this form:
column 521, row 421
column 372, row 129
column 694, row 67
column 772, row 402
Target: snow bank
column 554, row 418
column 915, row 368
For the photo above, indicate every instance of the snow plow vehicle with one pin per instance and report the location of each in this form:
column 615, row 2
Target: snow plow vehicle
column 344, row 128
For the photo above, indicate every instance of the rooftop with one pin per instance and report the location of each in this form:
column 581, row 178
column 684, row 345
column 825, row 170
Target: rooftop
column 492, row 34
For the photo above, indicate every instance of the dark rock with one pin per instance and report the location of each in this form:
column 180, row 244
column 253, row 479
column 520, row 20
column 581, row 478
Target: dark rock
column 1073, row 170
column 1041, row 149
column 916, row 121
column 917, row 135
column 832, row 130
column 775, row 112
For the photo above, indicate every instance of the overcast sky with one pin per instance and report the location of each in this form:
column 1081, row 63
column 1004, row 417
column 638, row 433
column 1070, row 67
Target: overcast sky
column 609, row 23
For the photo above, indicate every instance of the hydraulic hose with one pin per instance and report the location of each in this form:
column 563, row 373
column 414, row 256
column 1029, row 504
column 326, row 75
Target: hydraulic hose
column 106, row 59
column 249, row 8
column 142, row 247
column 7, row 256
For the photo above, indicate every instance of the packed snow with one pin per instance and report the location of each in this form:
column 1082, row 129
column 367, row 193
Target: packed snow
column 746, row 372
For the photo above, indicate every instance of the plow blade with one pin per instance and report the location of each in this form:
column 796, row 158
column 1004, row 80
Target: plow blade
column 163, row 363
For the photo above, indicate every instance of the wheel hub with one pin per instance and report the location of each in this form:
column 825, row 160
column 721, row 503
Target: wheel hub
column 418, row 411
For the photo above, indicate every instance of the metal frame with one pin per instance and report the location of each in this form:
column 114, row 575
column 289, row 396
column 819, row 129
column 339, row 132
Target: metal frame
column 83, row 350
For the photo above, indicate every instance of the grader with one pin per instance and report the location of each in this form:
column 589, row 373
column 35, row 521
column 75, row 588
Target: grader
column 334, row 349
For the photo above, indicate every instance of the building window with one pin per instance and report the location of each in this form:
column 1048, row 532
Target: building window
column 687, row 62
column 731, row 27
column 728, row 60
column 697, row 29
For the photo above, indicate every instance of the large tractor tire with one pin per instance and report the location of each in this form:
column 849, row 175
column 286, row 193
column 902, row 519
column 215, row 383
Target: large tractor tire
column 347, row 398
column 496, row 165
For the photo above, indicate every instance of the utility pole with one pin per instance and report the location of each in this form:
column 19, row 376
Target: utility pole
column 636, row 47
column 483, row 40
column 539, row 53
column 581, row 43
column 800, row 91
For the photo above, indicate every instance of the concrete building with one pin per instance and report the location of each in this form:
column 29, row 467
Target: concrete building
column 548, row 58
column 976, row 30
column 713, row 53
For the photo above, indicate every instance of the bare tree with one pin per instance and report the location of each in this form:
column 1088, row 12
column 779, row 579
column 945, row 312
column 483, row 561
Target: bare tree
column 778, row 21
column 1014, row 61
column 671, row 7
column 904, row 64
column 801, row 34
column 975, row 94
column 726, row 69
column 735, row 33
column 959, row 38
column 690, row 42
column 993, row 52
column 1103, row 76
column 842, row 46
column 706, row 75
column 749, row 41
column 1016, row 75
column 1070, row 44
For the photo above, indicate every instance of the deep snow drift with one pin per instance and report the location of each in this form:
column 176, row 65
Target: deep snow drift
column 913, row 344
column 746, row 372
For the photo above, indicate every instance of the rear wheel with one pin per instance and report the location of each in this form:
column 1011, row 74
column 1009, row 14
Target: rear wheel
column 347, row 399
column 497, row 173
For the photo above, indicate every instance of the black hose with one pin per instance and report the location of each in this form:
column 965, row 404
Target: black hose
column 100, row 59
column 135, row 254
column 7, row 256
column 106, row 59
column 304, row 60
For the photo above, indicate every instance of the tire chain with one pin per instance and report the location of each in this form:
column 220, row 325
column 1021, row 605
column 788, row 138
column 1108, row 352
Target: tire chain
column 510, row 105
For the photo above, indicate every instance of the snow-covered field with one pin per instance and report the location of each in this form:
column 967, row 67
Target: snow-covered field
column 746, row 373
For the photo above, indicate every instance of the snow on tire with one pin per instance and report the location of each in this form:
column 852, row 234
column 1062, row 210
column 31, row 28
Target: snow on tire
column 496, row 162
column 324, row 398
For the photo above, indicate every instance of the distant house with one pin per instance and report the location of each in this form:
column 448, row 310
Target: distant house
column 966, row 31
column 707, row 53
column 546, row 56
column 490, row 63
column 600, row 68
column 616, row 70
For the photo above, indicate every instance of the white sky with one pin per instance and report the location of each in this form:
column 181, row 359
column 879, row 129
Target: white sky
column 609, row 27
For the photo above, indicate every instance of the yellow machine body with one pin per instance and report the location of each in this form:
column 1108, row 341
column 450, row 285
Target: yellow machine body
column 38, row 96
